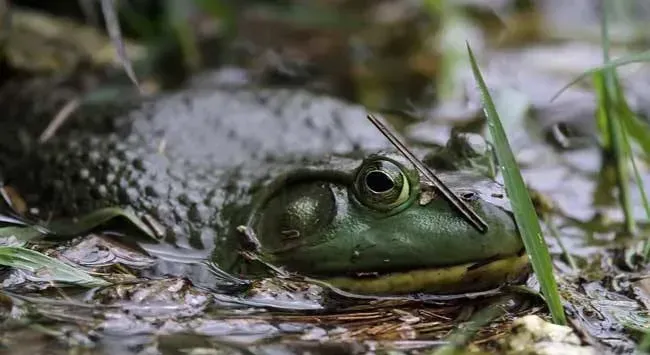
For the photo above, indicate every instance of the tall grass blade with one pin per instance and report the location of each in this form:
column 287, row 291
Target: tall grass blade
column 523, row 209
column 610, row 98
column 95, row 219
column 567, row 256
column 46, row 268
column 72, row 228
column 21, row 234
column 632, row 125
column 644, row 196
column 634, row 58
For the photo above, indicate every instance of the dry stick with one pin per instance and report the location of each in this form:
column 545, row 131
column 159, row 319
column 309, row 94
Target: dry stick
column 460, row 205
column 58, row 120
column 115, row 33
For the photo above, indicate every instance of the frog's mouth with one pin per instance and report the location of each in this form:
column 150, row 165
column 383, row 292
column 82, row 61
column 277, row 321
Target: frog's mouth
column 476, row 276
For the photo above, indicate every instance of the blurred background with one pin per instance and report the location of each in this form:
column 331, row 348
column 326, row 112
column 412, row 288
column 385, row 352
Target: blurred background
column 399, row 54
column 408, row 60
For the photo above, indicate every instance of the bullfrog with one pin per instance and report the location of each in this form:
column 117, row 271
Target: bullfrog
column 317, row 185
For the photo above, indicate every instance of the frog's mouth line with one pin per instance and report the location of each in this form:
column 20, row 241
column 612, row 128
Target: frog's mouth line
column 447, row 280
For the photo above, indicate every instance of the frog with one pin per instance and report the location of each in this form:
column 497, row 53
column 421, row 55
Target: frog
column 321, row 191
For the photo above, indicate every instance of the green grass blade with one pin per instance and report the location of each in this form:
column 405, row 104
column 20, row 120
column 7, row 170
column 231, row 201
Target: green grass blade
column 637, row 130
column 612, row 131
column 601, row 112
column 634, row 58
column 639, row 181
column 522, row 206
column 47, row 268
column 96, row 218
column 644, row 196
column 604, row 31
column 632, row 125
column 22, row 234
column 610, row 101
column 567, row 256
column 79, row 226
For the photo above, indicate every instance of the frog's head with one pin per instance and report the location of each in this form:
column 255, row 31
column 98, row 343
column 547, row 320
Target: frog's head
column 375, row 227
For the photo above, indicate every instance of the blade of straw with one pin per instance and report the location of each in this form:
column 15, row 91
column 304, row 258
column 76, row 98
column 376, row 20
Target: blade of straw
column 460, row 205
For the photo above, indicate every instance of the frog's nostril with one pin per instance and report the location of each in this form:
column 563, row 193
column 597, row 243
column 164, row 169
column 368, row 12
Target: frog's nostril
column 469, row 195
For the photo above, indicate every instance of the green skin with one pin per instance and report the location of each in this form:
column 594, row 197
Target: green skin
column 286, row 163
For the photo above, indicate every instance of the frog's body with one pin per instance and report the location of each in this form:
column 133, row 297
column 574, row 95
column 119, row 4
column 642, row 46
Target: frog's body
column 287, row 164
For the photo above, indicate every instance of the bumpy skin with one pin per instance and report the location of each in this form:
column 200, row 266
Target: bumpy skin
column 187, row 159
column 195, row 161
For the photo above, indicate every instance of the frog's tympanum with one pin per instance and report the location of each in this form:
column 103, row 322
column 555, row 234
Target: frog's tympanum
column 311, row 178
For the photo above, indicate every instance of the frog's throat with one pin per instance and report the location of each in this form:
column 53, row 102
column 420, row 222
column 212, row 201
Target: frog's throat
column 448, row 280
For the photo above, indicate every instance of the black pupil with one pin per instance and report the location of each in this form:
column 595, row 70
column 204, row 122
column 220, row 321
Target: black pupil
column 379, row 182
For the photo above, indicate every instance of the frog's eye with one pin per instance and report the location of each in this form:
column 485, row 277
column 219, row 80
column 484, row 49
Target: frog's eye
column 381, row 184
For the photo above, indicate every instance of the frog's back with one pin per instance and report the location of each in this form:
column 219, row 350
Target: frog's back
column 175, row 157
column 222, row 128
column 219, row 126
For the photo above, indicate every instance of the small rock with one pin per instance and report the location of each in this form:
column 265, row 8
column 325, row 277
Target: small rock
column 532, row 335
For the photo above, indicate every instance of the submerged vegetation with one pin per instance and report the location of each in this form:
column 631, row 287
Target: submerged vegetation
column 603, row 280
column 47, row 268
